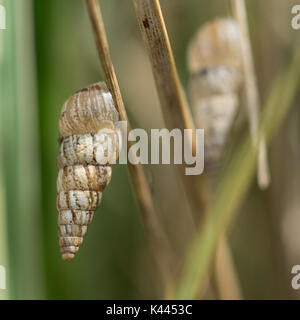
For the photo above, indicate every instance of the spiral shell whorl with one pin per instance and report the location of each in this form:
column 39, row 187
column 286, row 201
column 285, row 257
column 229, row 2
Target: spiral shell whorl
column 89, row 144
column 87, row 111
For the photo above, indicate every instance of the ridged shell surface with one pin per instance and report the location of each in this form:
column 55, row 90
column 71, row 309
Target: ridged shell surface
column 89, row 144
column 87, row 111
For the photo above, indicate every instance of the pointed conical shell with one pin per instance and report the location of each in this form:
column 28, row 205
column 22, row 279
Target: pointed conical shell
column 214, row 61
column 89, row 144
column 73, row 226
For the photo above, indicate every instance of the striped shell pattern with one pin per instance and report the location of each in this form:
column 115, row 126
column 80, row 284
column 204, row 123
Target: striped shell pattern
column 214, row 61
column 89, row 144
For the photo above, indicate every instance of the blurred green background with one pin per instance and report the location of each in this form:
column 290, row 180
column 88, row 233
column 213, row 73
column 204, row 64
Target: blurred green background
column 47, row 53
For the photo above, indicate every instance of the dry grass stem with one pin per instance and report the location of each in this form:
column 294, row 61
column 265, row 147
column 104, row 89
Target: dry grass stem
column 173, row 103
column 225, row 277
column 251, row 92
column 157, row 240
column 171, row 95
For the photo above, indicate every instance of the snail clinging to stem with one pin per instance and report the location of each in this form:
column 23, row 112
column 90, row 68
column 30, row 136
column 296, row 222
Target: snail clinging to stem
column 214, row 62
column 89, row 144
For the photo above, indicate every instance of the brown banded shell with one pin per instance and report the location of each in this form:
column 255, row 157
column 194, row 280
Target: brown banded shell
column 87, row 111
column 214, row 62
column 89, row 144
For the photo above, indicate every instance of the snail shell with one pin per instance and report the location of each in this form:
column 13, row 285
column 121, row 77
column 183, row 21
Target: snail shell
column 214, row 62
column 89, row 143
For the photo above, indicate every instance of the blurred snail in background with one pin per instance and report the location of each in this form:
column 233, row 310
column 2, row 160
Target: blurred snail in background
column 215, row 66
column 89, row 144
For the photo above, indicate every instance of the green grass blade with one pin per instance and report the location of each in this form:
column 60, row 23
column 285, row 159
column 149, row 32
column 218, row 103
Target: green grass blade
column 8, row 129
column 234, row 184
column 4, row 294
column 29, row 213
column 19, row 154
